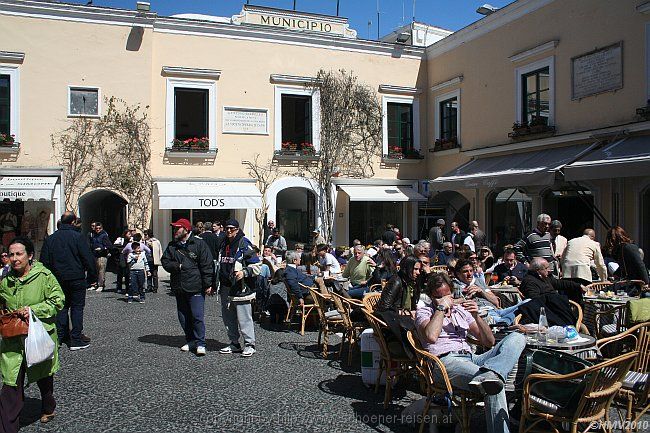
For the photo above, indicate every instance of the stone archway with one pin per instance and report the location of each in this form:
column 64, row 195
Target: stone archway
column 105, row 206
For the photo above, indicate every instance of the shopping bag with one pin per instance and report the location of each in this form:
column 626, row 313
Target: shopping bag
column 39, row 346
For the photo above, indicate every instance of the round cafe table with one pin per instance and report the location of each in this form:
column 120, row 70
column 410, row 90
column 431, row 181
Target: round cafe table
column 584, row 342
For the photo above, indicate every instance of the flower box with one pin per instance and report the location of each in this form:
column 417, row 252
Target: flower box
column 536, row 127
column 7, row 140
column 445, row 144
column 195, row 144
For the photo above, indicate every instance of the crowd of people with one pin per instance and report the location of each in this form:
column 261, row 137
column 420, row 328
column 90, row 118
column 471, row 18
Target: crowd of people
column 437, row 286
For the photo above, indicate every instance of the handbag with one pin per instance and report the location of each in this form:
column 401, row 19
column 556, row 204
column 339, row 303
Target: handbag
column 638, row 311
column 39, row 346
column 13, row 324
column 548, row 361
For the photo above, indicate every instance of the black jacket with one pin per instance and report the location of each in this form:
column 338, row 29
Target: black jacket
column 213, row 241
column 189, row 265
column 631, row 266
column 231, row 252
column 391, row 295
column 66, row 253
column 533, row 286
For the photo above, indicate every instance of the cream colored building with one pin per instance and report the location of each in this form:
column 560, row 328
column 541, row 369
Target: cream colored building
column 581, row 63
column 578, row 70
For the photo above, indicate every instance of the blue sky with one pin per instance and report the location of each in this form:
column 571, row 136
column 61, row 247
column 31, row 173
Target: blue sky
column 449, row 14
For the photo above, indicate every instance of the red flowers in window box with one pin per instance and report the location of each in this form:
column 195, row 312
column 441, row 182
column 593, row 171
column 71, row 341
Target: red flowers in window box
column 7, row 140
column 195, row 144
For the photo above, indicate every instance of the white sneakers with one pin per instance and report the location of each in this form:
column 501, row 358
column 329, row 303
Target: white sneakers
column 248, row 351
column 231, row 348
column 200, row 350
column 99, row 289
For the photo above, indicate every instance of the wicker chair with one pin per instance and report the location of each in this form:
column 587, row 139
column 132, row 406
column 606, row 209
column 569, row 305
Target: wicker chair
column 600, row 285
column 352, row 329
column 602, row 382
column 426, row 366
column 330, row 321
column 610, row 322
column 370, row 301
column 294, row 306
column 392, row 366
column 375, row 288
column 635, row 393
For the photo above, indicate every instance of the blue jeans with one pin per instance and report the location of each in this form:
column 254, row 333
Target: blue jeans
column 506, row 315
column 190, row 308
column 461, row 369
column 357, row 292
column 137, row 283
column 75, row 301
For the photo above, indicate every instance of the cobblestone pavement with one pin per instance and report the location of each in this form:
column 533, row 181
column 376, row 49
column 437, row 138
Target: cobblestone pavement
column 134, row 378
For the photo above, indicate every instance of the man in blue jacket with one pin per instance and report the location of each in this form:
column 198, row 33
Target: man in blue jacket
column 66, row 253
column 100, row 245
column 293, row 277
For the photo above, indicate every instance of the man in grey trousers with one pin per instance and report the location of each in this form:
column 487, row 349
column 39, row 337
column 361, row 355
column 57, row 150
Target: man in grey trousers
column 236, row 266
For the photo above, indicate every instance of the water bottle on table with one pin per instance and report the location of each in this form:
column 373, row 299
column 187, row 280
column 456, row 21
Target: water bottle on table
column 542, row 326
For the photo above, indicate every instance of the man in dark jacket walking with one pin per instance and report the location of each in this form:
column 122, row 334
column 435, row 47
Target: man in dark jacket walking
column 66, row 253
column 101, row 246
column 189, row 262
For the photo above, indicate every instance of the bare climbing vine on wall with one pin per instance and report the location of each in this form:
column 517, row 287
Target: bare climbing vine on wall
column 112, row 152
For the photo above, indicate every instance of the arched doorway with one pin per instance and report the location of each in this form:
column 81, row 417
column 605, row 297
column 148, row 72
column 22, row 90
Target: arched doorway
column 572, row 207
column 104, row 206
column 296, row 214
column 510, row 216
column 448, row 205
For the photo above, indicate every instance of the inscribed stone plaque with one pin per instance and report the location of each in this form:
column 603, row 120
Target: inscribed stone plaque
column 245, row 120
column 598, row 71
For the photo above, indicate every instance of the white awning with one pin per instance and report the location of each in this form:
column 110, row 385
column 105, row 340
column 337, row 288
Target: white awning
column 27, row 188
column 208, row 195
column 382, row 193
column 507, row 171
column 624, row 158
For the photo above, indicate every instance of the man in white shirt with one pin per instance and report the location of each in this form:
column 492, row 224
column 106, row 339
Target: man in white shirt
column 327, row 261
column 578, row 256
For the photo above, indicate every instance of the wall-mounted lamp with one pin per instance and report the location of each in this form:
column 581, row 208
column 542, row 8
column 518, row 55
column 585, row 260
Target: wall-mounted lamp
column 486, row 9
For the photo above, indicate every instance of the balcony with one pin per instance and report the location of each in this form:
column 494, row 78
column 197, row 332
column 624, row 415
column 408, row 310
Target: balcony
column 398, row 155
column 536, row 129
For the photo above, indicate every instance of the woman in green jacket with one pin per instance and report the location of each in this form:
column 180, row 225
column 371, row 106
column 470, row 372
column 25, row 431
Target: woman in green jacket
column 28, row 284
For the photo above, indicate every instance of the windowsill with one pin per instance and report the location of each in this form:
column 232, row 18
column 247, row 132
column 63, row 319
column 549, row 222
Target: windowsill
column 532, row 134
column 210, row 153
column 90, row 116
column 15, row 148
column 389, row 159
column 294, row 156
column 444, row 152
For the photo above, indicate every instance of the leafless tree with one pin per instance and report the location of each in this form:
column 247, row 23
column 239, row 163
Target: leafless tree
column 111, row 152
column 351, row 134
column 265, row 173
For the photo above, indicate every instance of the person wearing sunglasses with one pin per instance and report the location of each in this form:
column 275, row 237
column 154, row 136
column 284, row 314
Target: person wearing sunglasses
column 4, row 260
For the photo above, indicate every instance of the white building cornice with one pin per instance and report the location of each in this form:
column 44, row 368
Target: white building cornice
column 11, row 56
column 399, row 90
column 73, row 12
column 176, row 71
column 448, row 83
column 501, row 17
column 175, row 25
column 539, row 49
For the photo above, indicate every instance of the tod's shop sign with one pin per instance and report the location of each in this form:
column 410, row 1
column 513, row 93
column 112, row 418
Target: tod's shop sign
column 293, row 20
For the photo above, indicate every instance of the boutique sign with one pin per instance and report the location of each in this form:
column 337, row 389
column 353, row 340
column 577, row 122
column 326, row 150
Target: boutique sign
column 292, row 20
